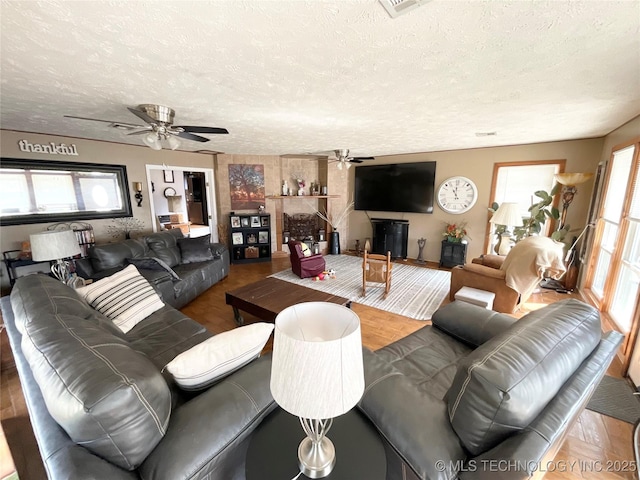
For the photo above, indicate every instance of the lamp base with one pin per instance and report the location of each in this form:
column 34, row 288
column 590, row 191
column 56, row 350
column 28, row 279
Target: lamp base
column 504, row 244
column 316, row 459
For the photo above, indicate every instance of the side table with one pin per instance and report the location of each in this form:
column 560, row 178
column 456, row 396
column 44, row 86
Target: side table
column 452, row 254
column 273, row 448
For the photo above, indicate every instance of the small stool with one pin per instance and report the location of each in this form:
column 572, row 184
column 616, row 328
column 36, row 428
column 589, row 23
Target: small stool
column 477, row 297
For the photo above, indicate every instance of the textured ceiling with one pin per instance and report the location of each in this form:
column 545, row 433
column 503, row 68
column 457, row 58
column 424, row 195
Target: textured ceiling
column 305, row 76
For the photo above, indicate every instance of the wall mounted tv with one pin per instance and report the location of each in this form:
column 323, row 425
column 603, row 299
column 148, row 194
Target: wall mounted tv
column 400, row 187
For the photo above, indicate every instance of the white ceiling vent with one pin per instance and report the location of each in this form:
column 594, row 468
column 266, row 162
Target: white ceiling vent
column 396, row 8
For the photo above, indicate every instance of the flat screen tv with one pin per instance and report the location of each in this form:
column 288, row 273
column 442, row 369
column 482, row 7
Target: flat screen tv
column 400, row 187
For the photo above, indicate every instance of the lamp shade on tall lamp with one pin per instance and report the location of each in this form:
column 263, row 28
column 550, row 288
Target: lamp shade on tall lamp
column 55, row 245
column 508, row 214
column 569, row 182
column 317, row 374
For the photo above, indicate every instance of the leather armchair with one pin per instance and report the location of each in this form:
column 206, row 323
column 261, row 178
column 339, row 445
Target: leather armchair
column 302, row 266
column 512, row 278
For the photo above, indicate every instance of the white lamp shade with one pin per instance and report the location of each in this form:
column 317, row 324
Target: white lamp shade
column 317, row 370
column 53, row 245
column 572, row 179
column 507, row 214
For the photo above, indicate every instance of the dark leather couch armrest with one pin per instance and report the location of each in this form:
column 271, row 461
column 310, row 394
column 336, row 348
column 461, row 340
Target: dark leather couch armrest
column 84, row 269
column 218, row 249
column 215, row 422
column 470, row 324
column 415, row 424
column 537, row 445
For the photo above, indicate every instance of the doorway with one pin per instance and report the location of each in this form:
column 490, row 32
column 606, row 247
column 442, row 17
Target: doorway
column 184, row 194
column 195, row 194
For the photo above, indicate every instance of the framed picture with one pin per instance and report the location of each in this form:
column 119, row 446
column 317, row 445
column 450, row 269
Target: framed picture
column 255, row 221
column 235, row 222
column 264, row 221
column 237, row 238
column 263, row 237
column 246, row 186
column 251, row 238
column 168, row 176
column 245, row 221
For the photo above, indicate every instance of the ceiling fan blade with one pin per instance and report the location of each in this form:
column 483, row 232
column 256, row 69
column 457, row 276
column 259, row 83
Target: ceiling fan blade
column 192, row 129
column 142, row 115
column 124, row 124
column 191, row 136
column 355, row 160
column 360, row 159
column 140, row 132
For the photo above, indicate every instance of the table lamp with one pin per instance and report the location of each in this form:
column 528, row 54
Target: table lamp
column 55, row 245
column 569, row 182
column 317, row 374
column 508, row 214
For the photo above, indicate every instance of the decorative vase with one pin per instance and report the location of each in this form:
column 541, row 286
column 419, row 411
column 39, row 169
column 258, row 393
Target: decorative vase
column 335, row 243
column 300, row 192
column 454, row 239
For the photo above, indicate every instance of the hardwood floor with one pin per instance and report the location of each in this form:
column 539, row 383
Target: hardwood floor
column 592, row 442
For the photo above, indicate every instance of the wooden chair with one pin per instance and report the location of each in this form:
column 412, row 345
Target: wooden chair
column 376, row 269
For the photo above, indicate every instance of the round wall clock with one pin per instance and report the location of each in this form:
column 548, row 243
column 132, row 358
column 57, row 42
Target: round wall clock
column 169, row 192
column 457, row 195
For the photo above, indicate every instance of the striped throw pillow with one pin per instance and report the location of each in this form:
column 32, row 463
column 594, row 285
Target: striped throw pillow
column 125, row 297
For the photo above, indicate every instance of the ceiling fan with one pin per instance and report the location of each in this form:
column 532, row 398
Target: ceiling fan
column 160, row 126
column 343, row 160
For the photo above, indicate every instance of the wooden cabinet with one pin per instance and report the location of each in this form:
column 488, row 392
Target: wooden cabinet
column 250, row 238
column 452, row 254
column 390, row 236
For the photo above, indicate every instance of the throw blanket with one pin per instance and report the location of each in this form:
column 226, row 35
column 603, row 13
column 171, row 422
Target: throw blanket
column 527, row 262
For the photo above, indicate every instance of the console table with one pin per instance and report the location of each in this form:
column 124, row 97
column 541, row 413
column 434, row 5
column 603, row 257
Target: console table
column 273, row 448
column 390, row 236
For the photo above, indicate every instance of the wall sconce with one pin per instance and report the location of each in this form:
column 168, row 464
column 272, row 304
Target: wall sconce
column 137, row 186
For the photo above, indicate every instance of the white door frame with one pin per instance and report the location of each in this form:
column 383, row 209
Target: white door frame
column 211, row 197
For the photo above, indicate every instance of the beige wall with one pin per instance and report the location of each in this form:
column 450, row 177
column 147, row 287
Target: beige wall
column 135, row 158
column 620, row 136
column 477, row 164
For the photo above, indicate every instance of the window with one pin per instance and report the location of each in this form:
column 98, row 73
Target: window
column 42, row 191
column 613, row 276
column 517, row 182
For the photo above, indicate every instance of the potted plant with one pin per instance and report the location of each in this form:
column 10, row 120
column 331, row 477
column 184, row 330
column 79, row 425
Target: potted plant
column 539, row 214
column 455, row 232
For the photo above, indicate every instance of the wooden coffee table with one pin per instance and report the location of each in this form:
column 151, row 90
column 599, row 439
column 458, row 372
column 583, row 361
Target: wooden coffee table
column 267, row 298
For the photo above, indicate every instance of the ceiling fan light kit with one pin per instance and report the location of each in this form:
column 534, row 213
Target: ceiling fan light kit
column 343, row 160
column 160, row 126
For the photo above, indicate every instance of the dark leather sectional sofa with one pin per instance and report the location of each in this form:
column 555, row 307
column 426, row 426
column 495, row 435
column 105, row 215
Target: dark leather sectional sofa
column 177, row 284
column 449, row 401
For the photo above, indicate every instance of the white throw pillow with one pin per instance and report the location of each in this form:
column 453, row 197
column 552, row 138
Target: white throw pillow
column 218, row 356
column 126, row 297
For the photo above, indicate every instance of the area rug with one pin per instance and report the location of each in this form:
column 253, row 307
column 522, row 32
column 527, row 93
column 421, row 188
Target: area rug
column 614, row 397
column 416, row 292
